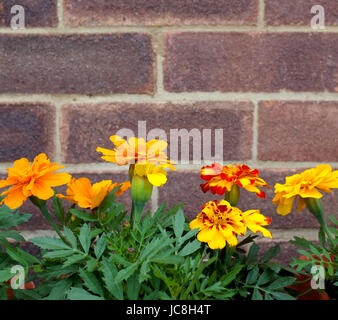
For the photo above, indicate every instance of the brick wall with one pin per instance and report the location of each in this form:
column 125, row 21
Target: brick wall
column 83, row 69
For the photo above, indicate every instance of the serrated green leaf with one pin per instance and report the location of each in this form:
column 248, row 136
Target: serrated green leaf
column 82, row 215
column 21, row 256
column 85, row 237
column 281, row 283
column 230, row 276
column 9, row 219
column 81, row 294
column 5, row 275
column 91, row 282
column 265, row 277
column 333, row 219
column 178, row 225
column 252, row 275
column 59, row 290
column 109, row 273
column 257, row 295
column 58, row 209
column 282, row 296
column 58, row 254
column 167, row 259
column 270, row 254
column 126, row 273
column 73, row 259
column 49, row 243
column 11, row 234
column 70, row 237
column 190, row 248
column 133, row 287
column 100, row 246
column 252, row 254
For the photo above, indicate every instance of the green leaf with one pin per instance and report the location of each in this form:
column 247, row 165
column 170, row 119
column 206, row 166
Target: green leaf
column 167, row 259
column 58, row 254
column 100, row 246
column 281, row 283
column 333, row 219
column 12, row 234
column 82, row 215
column 70, row 237
column 133, row 287
column 190, row 248
column 91, row 282
column 282, row 296
column 321, row 236
column 230, row 276
column 9, row 219
column 59, row 290
column 253, row 254
column 178, row 225
column 81, row 294
column 126, row 273
column 252, row 275
column 49, row 243
column 265, row 277
column 73, row 259
column 21, row 256
column 5, row 275
column 271, row 253
column 257, row 295
column 109, row 273
column 85, row 238
column 300, row 242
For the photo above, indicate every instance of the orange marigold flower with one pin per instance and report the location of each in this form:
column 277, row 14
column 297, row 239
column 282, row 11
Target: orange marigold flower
column 135, row 151
column 36, row 179
column 220, row 223
column 86, row 195
column 221, row 179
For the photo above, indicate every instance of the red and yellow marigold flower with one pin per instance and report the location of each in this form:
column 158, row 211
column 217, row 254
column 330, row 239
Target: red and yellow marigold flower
column 86, row 195
column 32, row 179
column 304, row 186
column 135, row 151
column 221, row 179
column 219, row 223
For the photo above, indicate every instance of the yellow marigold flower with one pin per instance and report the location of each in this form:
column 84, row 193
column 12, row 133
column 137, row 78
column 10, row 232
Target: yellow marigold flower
column 221, row 179
column 254, row 221
column 135, row 151
column 36, row 179
column 156, row 175
column 86, row 195
column 304, row 185
column 218, row 224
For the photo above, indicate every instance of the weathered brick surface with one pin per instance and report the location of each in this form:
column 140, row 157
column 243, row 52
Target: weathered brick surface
column 254, row 62
column 84, row 127
column 86, row 64
column 27, row 129
column 38, row 13
column 298, row 131
column 157, row 13
column 184, row 187
column 290, row 12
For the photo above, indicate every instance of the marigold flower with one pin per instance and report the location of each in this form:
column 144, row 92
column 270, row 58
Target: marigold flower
column 36, row 179
column 86, row 195
column 305, row 185
column 221, row 179
column 220, row 223
column 135, row 151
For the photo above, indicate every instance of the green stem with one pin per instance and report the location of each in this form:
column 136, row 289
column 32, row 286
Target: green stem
column 136, row 212
column 41, row 204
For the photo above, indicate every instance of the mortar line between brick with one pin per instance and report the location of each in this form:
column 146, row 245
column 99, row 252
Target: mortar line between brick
column 109, row 168
column 152, row 29
column 159, row 63
column 255, row 132
column 60, row 14
column 162, row 97
column 261, row 15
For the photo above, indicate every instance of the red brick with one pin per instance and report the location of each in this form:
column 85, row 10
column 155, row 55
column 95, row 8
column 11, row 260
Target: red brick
column 184, row 187
column 236, row 62
column 157, row 13
column 290, row 12
column 84, row 64
column 298, row 131
column 84, row 127
column 27, row 129
column 38, row 13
